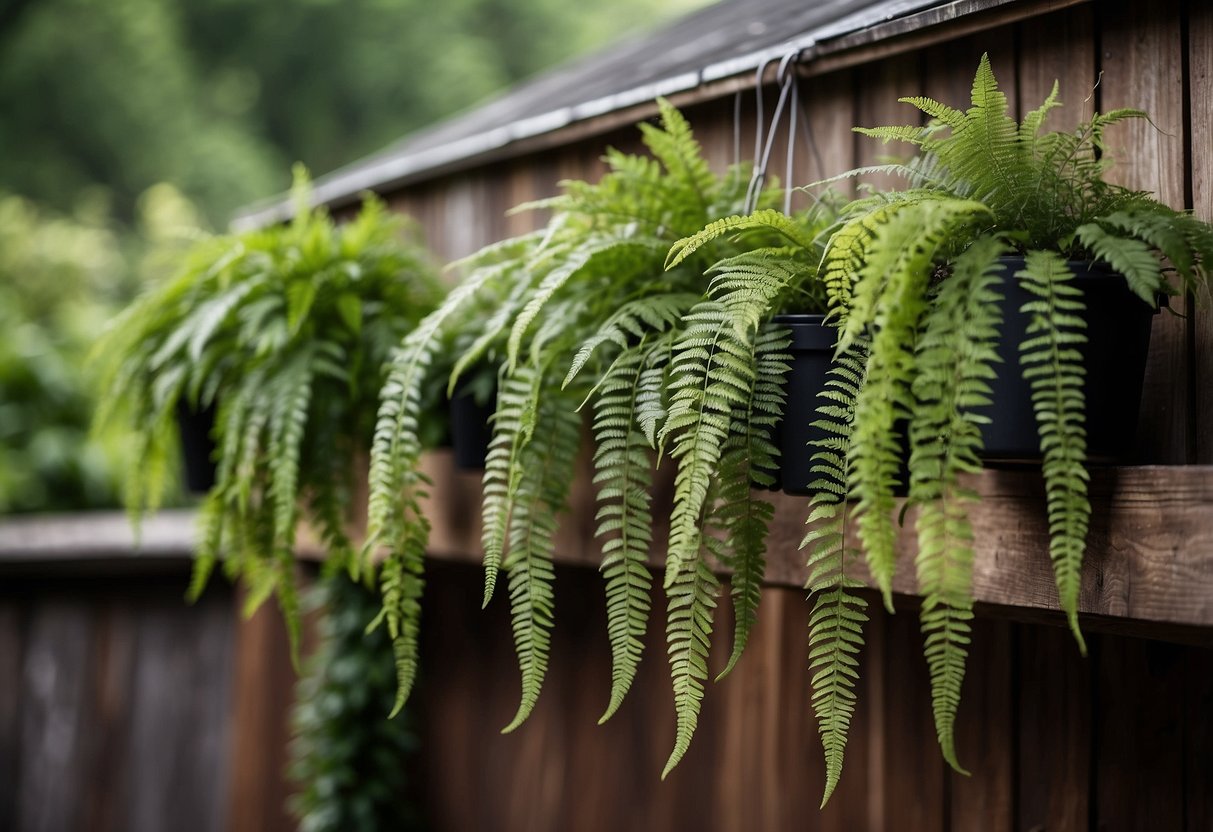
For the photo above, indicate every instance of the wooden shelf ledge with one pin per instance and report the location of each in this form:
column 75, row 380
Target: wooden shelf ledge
column 1149, row 563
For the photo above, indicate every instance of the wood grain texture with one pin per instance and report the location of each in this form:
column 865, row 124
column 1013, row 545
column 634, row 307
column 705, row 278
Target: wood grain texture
column 263, row 682
column 829, row 110
column 1200, row 87
column 1053, row 689
column 1142, row 64
column 877, row 89
column 1058, row 47
column 1141, row 684
column 987, row 733
column 1149, row 561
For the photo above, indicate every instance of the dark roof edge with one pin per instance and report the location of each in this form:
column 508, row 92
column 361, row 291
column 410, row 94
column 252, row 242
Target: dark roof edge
column 386, row 171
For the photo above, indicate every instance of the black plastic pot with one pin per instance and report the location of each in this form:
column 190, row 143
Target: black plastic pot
column 812, row 351
column 1118, row 340
column 197, row 446
column 470, row 428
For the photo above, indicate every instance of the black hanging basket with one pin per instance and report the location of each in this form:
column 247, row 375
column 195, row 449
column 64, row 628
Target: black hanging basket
column 197, row 446
column 470, row 427
column 812, row 351
column 1118, row 341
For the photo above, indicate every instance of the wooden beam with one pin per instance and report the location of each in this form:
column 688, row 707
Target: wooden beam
column 1149, row 561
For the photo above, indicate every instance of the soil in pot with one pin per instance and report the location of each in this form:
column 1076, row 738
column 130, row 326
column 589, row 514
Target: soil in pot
column 197, row 446
column 470, row 426
column 1118, row 340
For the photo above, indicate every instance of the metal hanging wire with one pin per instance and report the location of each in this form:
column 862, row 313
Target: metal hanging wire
column 786, row 78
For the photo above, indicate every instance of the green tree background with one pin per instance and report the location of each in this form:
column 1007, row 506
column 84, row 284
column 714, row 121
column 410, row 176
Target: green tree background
column 130, row 124
column 220, row 97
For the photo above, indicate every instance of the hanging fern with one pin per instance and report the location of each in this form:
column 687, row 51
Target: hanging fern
column 284, row 330
column 912, row 278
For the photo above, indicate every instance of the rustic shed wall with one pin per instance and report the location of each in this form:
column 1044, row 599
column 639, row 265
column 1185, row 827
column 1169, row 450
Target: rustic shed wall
column 1117, row 741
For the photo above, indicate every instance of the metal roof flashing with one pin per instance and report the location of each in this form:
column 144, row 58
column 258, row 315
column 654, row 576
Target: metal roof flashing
column 526, row 111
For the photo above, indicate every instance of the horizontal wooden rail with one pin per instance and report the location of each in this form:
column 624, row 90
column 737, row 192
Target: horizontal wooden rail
column 1149, row 558
column 1149, row 563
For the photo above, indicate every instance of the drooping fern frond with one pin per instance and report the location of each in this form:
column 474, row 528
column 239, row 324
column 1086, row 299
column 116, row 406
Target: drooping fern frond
column 691, row 605
column 623, row 475
column 541, row 491
column 513, row 426
column 839, row 613
column 767, row 219
column 749, row 457
column 1052, row 363
column 955, row 360
column 890, row 298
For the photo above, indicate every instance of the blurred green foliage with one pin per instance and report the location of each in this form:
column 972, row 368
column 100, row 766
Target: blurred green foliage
column 219, row 97
column 55, row 274
column 347, row 758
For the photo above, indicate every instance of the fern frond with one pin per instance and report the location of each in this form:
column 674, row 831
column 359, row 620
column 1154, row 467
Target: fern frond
column 632, row 321
column 955, row 359
column 692, row 602
column 540, row 494
column 1132, row 258
column 890, row 297
column 748, row 458
column 1052, row 363
column 766, row 219
column 623, row 476
column 839, row 613
column 518, row 397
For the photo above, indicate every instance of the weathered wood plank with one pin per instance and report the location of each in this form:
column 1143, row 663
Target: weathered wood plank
column 986, row 734
column 1141, row 61
column 878, row 88
column 915, row 775
column 53, row 774
column 1150, row 551
column 1058, row 47
column 1053, row 731
column 829, row 108
column 12, row 656
column 1139, row 736
column 181, row 740
column 1198, row 740
column 263, row 680
column 1200, row 86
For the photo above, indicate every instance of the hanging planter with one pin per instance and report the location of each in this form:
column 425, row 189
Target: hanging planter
column 195, row 426
column 471, row 412
column 1113, row 360
column 812, row 352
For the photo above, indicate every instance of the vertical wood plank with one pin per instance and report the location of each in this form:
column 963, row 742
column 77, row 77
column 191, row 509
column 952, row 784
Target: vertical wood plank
column 1139, row 747
column 12, row 657
column 949, row 68
column 111, row 712
column 915, row 775
column 263, row 681
column 182, row 679
column 1054, row 689
column 986, row 734
column 827, row 143
column 1200, row 85
column 878, row 88
column 1142, row 67
column 1198, row 739
column 1058, row 47
column 53, row 775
